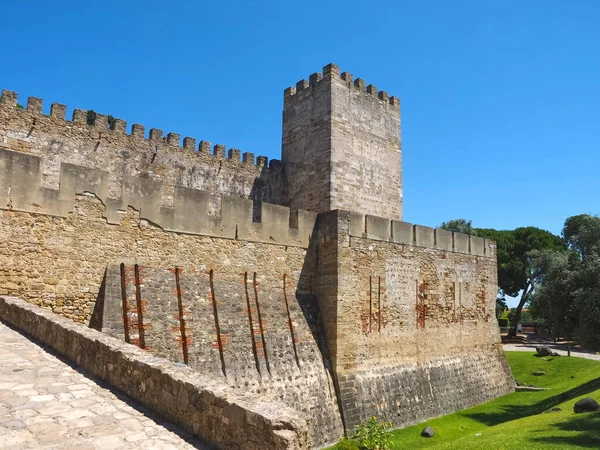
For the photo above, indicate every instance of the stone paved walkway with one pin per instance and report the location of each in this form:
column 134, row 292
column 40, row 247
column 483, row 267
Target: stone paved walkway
column 560, row 349
column 47, row 404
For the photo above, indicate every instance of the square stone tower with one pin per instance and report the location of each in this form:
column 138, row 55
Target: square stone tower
column 341, row 146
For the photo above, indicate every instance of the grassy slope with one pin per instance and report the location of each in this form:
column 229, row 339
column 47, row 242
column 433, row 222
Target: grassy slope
column 517, row 420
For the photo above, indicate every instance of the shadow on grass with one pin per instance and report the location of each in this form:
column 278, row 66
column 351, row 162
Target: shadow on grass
column 512, row 412
column 586, row 426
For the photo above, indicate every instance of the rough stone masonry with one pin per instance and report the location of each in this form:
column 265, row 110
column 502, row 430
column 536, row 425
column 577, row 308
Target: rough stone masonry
column 294, row 280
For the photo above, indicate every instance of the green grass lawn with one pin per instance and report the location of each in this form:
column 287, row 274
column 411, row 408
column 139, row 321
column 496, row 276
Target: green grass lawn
column 518, row 420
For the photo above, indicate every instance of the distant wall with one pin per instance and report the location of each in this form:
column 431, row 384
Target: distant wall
column 123, row 153
column 216, row 413
column 413, row 318
column 63, row 249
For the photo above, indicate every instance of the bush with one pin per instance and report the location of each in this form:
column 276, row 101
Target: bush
column 503, row 323
column 372, row 435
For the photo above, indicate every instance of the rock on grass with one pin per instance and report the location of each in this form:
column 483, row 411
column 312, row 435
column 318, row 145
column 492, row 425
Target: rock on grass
column 427, row 432
column 587, row 404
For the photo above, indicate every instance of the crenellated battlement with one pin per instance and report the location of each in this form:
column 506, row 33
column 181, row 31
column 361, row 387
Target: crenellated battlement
column 101, row 128
column 21, row 185
column 387, row 230
column 341, row 145
column 331, row 71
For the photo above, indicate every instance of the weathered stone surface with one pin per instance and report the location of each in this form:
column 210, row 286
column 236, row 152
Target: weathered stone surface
column 99, row 419
column 417, row 323
column 59, row 248
column 587, row 404
column 121, row 154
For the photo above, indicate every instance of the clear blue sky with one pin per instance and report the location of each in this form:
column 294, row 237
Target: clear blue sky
column 500, row 99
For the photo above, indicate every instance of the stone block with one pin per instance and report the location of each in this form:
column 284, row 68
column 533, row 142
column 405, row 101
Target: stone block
column 443, row 239
column 477, row 246
column 461, row 243
column 377, row 228
column 424, row 236
column 357, row 224
column 402, row 232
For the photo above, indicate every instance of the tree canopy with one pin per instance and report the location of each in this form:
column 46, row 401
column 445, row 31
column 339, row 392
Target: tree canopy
column 568, row 296
column 459, row 226
column 558, row 276
column 514, row 249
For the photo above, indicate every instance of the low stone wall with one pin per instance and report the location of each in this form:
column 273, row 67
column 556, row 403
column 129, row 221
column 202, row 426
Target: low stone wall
column 207, row 408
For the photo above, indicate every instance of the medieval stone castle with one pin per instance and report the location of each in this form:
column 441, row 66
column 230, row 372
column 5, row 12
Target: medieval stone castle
column 294, row 283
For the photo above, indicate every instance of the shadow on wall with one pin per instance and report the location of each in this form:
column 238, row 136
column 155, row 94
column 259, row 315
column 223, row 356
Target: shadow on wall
column 96, row 320
column 307, row 294
column 262, row 188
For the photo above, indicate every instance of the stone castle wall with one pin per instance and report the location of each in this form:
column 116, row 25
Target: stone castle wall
column 60, row 249
column 410, row 302
column 218, row 263
column 151, row 156
column 416, row 308
column 207, row 408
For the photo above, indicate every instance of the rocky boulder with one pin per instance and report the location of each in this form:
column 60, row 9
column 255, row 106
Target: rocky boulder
column 545, row 351
column 427, row 432
column 587, row 404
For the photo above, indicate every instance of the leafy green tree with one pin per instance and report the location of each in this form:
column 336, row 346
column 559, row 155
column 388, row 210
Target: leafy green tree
column 582, row 234
column 459, row 226
column 568, row 297
column 554, row 300
column 501, row 306
column 514, row 249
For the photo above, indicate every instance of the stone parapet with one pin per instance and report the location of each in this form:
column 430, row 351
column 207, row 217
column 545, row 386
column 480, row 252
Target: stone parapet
column 21, row 178
column 396, row 231
column 333, row 71
column 211, row 410
column 103, row 127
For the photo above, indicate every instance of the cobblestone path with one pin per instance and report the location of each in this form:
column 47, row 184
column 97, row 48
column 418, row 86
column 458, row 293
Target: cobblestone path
column 47, row 404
